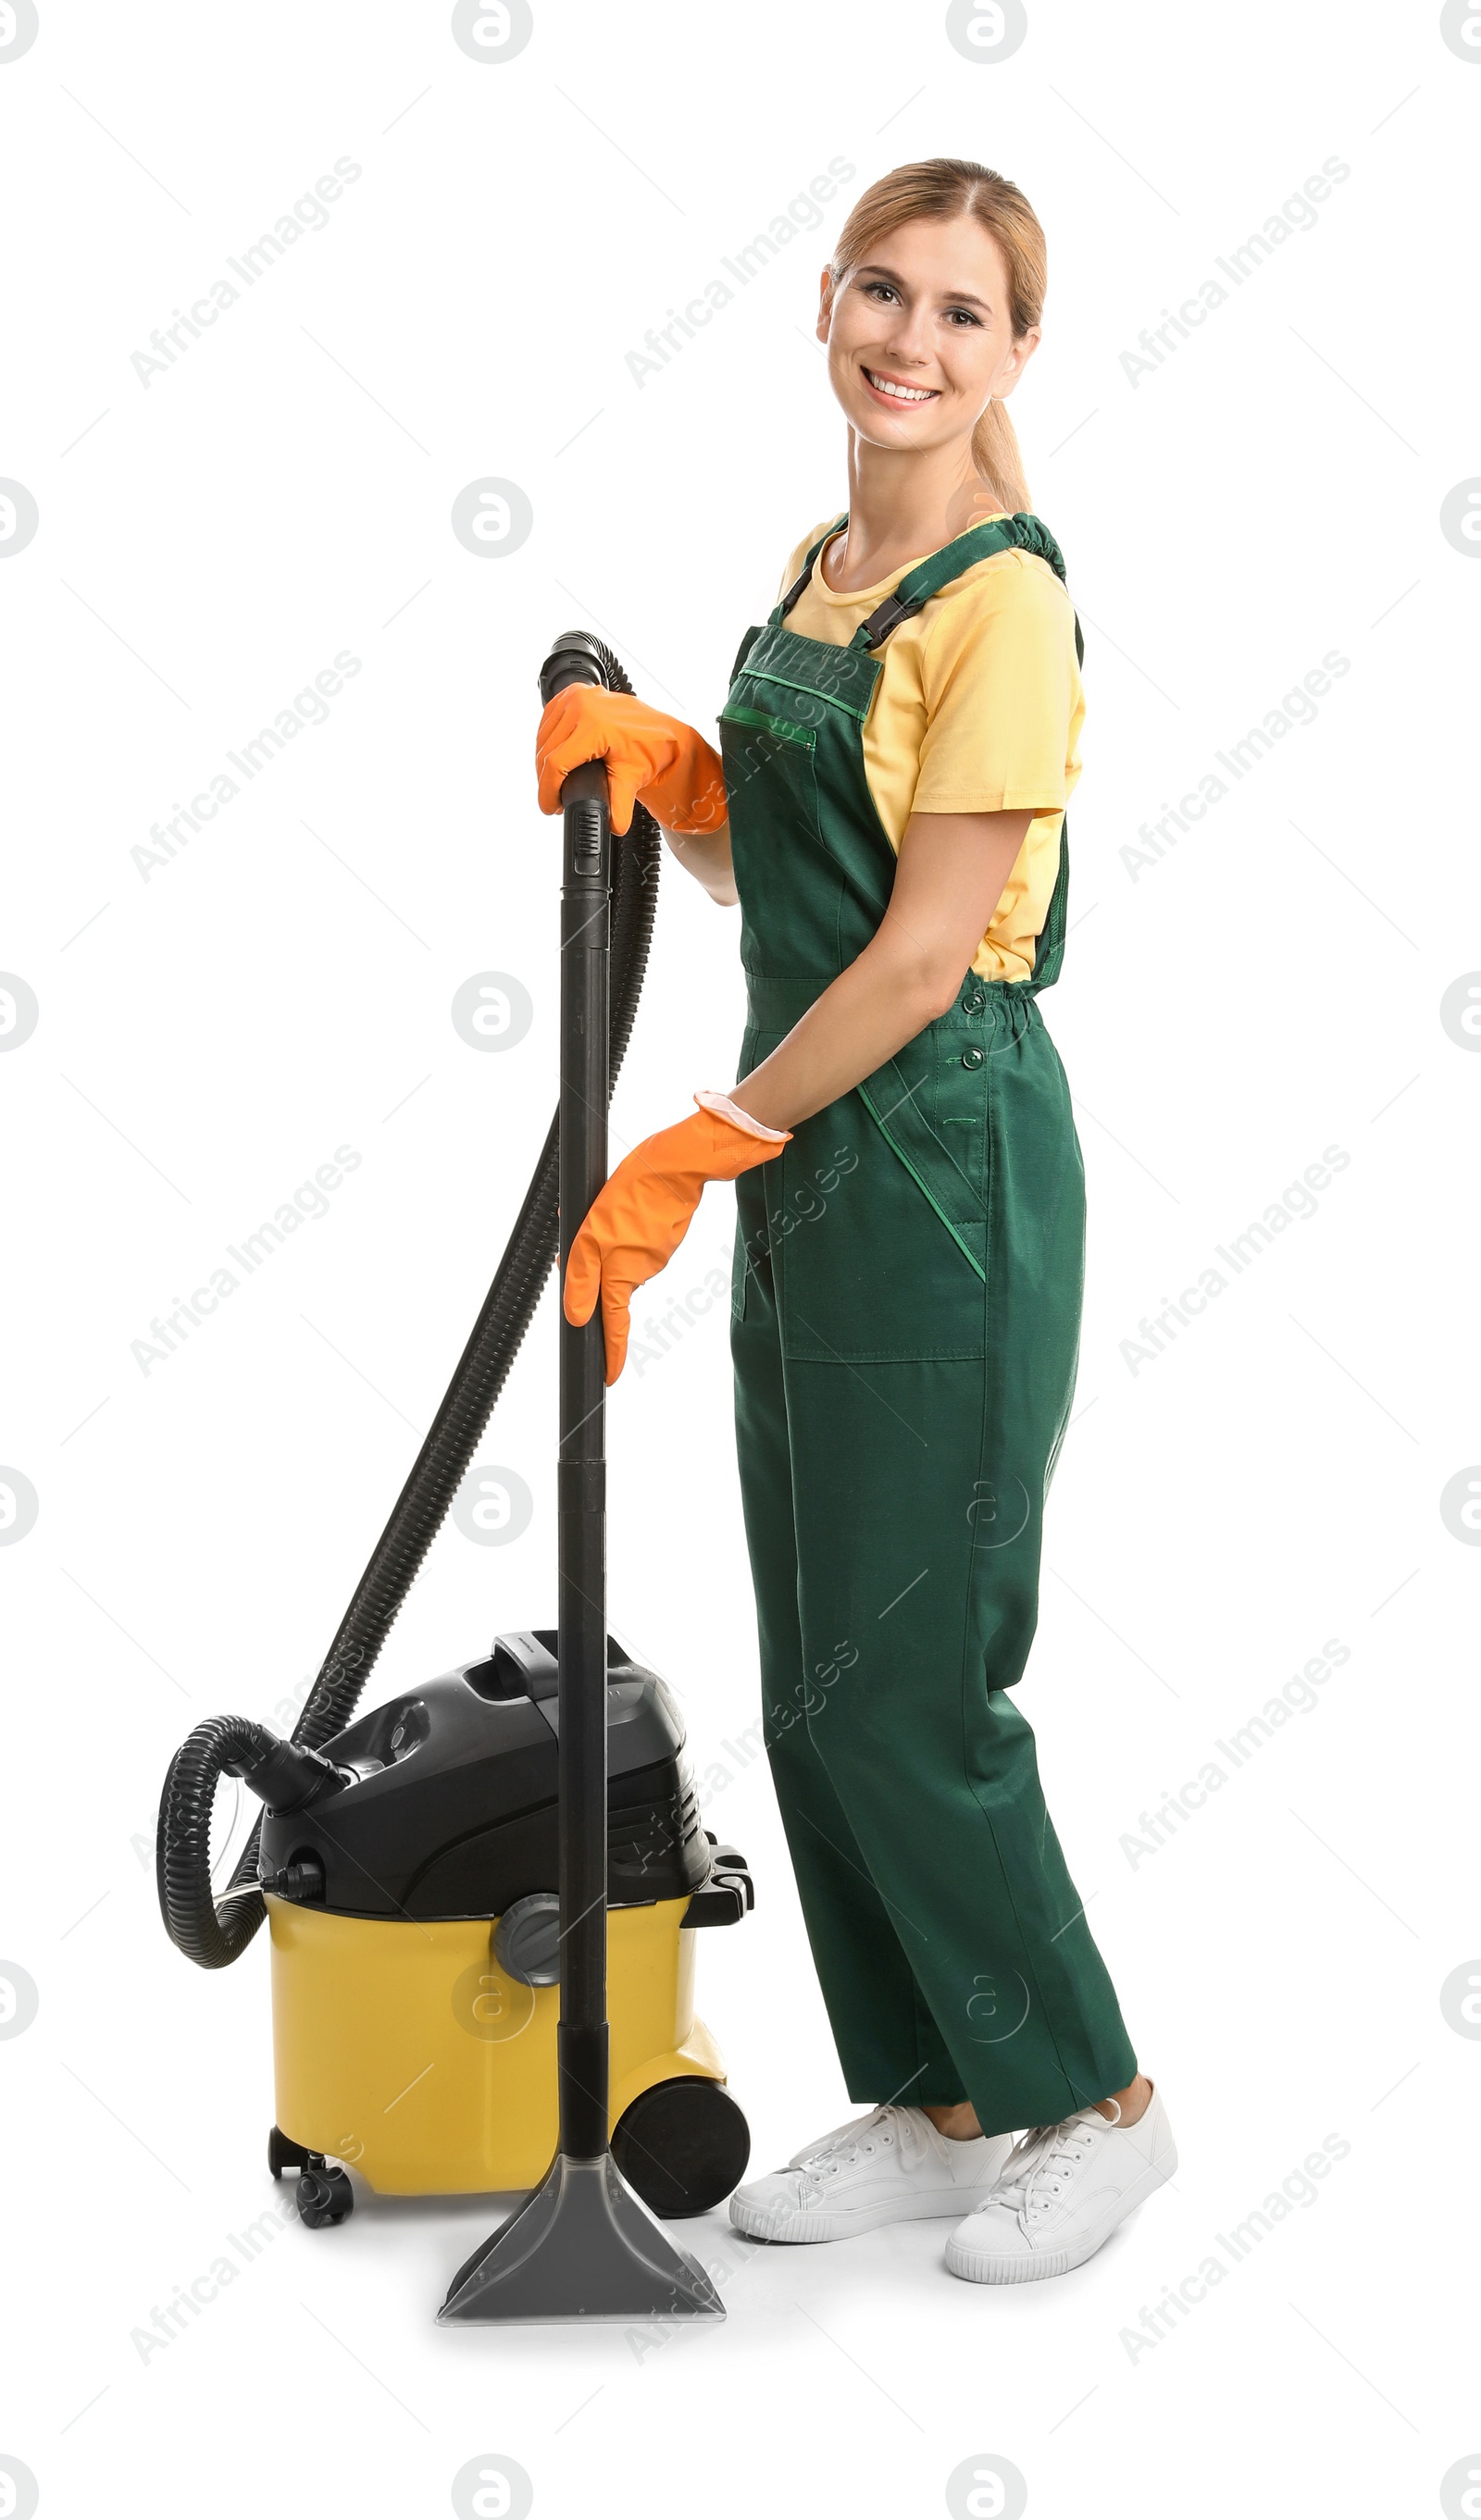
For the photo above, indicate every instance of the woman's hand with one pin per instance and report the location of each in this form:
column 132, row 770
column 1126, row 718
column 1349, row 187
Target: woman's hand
column 665, row 764
column 642, row 1214
column 951, row 875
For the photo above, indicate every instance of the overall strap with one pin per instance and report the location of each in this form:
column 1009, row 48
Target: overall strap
column 1021, row 532
column 782, row 611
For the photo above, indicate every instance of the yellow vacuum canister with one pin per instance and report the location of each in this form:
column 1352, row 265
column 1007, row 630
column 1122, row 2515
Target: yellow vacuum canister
column 414, row 1911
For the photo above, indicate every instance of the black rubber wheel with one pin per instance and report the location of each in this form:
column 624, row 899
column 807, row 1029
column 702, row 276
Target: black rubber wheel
column 324, row 2196
column 682, row 2145
column 282, row 2155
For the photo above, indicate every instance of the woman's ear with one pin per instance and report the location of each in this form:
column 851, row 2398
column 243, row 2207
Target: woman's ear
column 824, row 302
column 1022, row 351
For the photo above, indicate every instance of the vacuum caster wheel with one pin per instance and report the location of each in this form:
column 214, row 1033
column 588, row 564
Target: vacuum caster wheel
column 324, row 2195
column 682, row 2145
column 282, row 2154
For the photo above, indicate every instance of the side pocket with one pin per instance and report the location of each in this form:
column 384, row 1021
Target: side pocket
column 751, row 1238
column 961, row 1066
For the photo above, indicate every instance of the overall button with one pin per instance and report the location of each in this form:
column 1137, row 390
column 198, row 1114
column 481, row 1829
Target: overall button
column 974, row 1003
column 971, row 1057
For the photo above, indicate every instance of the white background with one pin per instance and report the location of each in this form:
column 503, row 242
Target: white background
column 208, row 1037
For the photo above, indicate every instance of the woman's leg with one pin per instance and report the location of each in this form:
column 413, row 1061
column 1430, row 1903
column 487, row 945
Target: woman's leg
column 925, row 1402
column 910, row 1600
column 889, row 2045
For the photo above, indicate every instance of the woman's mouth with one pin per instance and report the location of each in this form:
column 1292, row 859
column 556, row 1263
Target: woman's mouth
column 894, row 391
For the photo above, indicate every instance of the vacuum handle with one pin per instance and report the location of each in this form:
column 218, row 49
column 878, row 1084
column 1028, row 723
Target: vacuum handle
column 586, row 784
column 577, row 656
column 585, row 991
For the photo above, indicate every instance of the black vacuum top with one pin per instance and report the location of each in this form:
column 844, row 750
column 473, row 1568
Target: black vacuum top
column 449, row 1806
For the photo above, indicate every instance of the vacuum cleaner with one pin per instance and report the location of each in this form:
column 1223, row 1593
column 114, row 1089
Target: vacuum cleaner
column 464, row 1884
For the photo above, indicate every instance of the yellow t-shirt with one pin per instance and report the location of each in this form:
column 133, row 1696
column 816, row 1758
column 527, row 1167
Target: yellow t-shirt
column 977, row 709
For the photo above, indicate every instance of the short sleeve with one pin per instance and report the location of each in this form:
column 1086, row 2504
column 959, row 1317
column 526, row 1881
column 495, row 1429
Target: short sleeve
column 1003, row 699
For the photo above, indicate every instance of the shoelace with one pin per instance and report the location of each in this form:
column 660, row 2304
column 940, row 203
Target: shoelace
column 887, row 2126
column 1034, row 2171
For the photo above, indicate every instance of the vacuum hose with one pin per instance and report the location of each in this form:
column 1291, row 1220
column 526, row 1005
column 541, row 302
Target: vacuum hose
column 213, row 1931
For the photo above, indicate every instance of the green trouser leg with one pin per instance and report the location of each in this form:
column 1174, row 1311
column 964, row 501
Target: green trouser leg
column 950, row 1942
column 890, row 2047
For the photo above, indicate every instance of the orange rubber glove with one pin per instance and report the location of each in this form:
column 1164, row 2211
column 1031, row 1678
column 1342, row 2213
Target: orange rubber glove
column 641, row 1215
column 658, row 759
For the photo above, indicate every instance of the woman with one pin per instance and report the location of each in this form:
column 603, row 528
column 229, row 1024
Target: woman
column 898, row 745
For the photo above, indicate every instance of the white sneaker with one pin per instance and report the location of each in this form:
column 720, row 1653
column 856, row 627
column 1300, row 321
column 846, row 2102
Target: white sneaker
column 889, row 2167
column 1062, row 2192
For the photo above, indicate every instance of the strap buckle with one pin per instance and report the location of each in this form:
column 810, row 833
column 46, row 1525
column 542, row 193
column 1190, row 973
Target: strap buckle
column 885, row 618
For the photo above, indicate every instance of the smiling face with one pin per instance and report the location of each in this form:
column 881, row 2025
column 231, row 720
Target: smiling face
column 919, row 334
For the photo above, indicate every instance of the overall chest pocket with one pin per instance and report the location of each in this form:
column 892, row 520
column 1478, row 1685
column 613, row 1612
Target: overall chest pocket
column 769, row 772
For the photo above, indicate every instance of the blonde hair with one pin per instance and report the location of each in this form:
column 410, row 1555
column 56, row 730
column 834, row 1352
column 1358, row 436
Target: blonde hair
column 951, row 187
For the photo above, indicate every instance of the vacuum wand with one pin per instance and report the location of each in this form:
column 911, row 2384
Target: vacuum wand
column 581, row 2037
column 583, row 2245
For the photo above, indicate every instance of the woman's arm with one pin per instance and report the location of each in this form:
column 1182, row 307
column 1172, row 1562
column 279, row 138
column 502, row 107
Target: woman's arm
column 705, row 855
column 950, row 877
column 951, row 872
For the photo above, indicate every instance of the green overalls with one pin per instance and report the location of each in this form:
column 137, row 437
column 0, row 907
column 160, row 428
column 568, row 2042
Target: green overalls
column 905, row 1327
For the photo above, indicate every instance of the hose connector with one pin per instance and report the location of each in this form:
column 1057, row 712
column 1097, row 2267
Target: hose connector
column 284, row 1774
